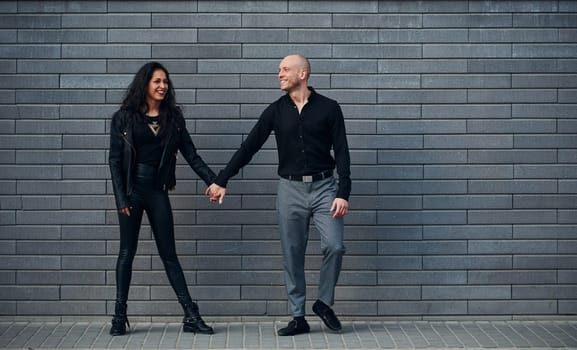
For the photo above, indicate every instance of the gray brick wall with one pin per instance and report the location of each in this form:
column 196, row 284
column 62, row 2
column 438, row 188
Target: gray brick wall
column 461, row 121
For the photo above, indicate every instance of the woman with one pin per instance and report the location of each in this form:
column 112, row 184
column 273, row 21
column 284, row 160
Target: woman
column 146, row 132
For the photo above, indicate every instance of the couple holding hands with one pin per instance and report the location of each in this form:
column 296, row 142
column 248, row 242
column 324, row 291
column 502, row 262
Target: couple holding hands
column 148, row 130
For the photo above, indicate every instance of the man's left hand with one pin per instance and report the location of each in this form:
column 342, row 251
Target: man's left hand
column 340, row 208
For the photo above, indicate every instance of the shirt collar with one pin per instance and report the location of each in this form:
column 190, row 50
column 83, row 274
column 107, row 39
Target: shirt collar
column 311, row 89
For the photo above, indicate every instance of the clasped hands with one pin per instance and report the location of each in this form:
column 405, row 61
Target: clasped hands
column 216, row 193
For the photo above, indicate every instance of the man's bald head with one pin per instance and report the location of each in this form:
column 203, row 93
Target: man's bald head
column 300, row 62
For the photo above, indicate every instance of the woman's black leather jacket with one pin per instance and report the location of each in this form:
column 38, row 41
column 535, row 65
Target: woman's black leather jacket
column 122, row 157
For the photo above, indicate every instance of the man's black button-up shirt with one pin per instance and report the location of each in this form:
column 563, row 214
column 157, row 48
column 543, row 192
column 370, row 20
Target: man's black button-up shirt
column 304, row 140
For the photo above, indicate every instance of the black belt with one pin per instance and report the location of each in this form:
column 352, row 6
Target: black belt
column 309, row 178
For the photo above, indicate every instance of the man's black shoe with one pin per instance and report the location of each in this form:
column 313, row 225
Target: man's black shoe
column 295, row 327
column 327, row 315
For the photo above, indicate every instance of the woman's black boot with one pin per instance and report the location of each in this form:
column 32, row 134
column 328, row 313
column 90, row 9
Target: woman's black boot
column 192, row 321
column 119, row 320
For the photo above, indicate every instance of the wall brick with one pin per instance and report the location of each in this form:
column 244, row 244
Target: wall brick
column 110, row 20
column 544, row 201
column 7, row 277
column 421, row 127
column 512, row 217
column 200, row 292
column 59, row 96
column 30, row 51
column 512, row 247
column 423, row 35
column 421, row 96
column 62, row 36
column 512, row 156
column 526, row 126
column 511, row 277
column 235, row 6
column 242, row 35
column 333, row 36
column 152, row 35
column 389, row 308
column 544, row 261
column 422, row 277
column 468, row 142
column 152, row 6
column 510, row 65
column 373, row 81
column 544, row 231
column 22, row 21
column 466, row 111
column 466, row 81
column 544, row 50
column 377, row 51
column 28, row 81
column 62, row 277
column 461, row 125
column 467, row 171
column 429, row 156
column 429, row 217
column 44, row 202
column 567, row 307
column 544, row 20
column 60, row 248
column 432, row 6
column 29, row 292
column 539, row 110
column 63, row 126
column 510, row 307
column 466, row 292
column 512, row 96
column 312, row 51
column 198, row 20
column 421, row 186
column 105, row 51
column 493, row 262
column 466, row 50
column 422, row 248
column 543, row 292
column 513, row 35
column 62, row 6
column 467, row 201
column 422, row 66
column 513, row 186
column 62, row 307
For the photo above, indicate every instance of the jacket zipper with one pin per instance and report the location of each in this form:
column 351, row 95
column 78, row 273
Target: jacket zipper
column 162, row 159
column 132, row 159
column 125, row 138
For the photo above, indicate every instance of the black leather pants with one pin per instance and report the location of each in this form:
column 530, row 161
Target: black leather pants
column 146, row 197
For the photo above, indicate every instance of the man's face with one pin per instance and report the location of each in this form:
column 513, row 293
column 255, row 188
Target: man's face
column 289, row 74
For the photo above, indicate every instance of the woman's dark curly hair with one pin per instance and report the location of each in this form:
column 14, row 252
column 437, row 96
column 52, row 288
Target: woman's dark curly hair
column 136, row 94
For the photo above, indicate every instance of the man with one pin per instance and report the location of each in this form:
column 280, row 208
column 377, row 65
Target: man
column 306, row 126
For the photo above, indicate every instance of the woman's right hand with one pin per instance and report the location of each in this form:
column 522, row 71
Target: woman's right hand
column 124, row 211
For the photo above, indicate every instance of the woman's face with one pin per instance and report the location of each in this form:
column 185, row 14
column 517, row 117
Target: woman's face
column 157, row 86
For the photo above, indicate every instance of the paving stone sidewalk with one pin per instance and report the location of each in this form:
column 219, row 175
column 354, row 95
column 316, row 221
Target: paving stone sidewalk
column 554, row 334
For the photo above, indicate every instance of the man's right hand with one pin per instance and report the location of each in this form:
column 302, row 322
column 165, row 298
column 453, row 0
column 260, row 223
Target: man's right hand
column 216, row 193
column 124, row 211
